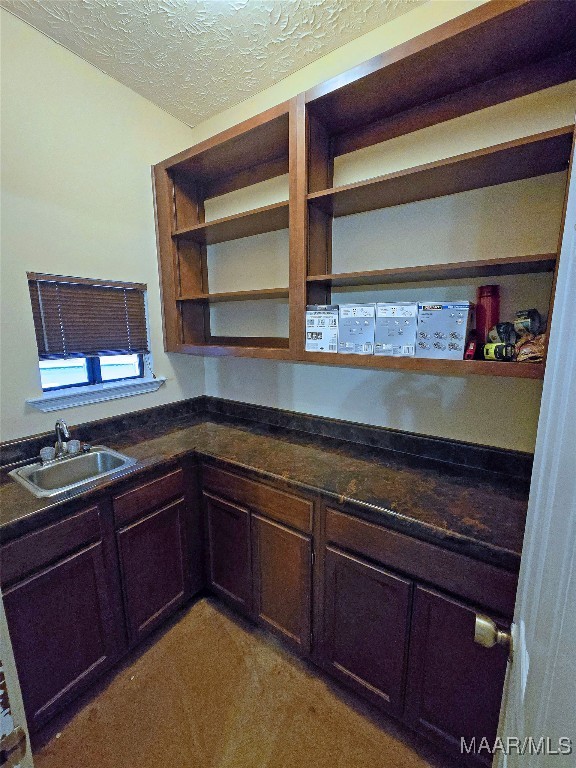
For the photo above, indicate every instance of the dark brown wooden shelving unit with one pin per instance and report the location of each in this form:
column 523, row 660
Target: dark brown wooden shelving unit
column 492, row 54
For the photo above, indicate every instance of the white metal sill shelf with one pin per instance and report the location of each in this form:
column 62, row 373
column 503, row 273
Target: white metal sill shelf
column 94, row 393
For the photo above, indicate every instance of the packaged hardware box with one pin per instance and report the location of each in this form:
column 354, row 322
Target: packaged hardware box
column 356, row 329
column 443, row 329
column 396, row 328
column 322, row 328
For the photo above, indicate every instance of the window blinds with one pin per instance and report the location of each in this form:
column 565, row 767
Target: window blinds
column 79, row 317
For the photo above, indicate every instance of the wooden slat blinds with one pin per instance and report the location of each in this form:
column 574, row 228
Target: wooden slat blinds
column 79, row 317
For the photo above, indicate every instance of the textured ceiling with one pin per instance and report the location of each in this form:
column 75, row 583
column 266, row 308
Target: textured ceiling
column 195, row 58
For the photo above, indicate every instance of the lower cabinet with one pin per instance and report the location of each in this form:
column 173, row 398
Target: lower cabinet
column 259, row 552
column 156, row 566
column 229, row 556
column 454, row 685
column 405, row 647
column 62, row 619
column 366, row 628
column 282, row 561
column 153, row 567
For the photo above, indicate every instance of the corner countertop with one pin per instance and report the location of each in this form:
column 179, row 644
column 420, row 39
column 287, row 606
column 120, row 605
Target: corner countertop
column 478, row 514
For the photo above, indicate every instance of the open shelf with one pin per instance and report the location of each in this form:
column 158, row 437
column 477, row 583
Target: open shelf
column 259, row 293
column 268, row 218
column 535, row 155
column 492, row 54
column 478, row 47
column 252, row 151
column 514, row 265
column 223, row 346
column 422, row 365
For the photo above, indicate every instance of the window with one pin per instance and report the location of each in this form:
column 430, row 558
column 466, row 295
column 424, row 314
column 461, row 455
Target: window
column 88, row 331
column 80, row 371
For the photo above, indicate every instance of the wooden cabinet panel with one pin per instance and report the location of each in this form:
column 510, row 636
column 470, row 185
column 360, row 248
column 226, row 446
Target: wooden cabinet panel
column 154, row 575
column 278, row 505
column 282, row 580
column 63, row 631
column 148, row 496
column 228, row 556
column 29, row 553
column 454, row 685
column 478, row 582
column 366, row 622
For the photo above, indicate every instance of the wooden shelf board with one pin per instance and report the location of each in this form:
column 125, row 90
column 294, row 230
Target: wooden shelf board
column 261, row 293
column 535, row 155
column 261, row 139
column 238, row 350
column 515, row 265
column 268, row 218
column 482, row 44
column 423, row 366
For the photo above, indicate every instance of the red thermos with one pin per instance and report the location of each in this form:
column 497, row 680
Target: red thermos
column 487, row 310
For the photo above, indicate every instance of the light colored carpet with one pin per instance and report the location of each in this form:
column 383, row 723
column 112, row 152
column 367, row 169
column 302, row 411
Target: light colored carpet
column 212, row 692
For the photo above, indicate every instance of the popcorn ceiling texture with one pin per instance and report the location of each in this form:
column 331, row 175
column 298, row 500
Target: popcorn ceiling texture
column 195, row 59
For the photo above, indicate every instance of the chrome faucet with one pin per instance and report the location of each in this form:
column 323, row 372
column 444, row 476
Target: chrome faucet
column 62, row 437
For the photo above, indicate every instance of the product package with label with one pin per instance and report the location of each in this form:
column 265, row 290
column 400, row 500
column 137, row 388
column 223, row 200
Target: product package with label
column 356, row 329
column 322, row 328
column 396, row 328
column 443, row 329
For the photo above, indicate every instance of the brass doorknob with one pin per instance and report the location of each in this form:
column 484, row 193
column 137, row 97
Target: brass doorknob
column 487, row 634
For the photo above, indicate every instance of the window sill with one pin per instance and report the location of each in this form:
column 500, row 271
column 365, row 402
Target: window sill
column 94, row 393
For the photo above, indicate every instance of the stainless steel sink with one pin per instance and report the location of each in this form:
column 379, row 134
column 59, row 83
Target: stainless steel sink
column 71, row 472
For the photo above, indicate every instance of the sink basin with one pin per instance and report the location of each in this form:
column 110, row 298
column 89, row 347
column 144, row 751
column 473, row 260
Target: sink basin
column 71, row 473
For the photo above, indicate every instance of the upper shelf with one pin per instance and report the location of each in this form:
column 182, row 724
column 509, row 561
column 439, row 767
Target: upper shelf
column 534, row 155
column 483, row 44
column 214, row 164
column 513, row 265
column 268, row 218
column 224, row 296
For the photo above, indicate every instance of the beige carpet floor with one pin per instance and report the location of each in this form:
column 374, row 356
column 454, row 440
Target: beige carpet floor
column 213, row 692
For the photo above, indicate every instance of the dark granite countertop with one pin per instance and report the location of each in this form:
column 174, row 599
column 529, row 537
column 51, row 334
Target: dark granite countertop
column 476, row 513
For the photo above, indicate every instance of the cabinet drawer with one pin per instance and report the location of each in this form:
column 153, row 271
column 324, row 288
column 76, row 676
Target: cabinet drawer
column 138, row 501
column 30, row 553
column 280, row 506
column 481, row 583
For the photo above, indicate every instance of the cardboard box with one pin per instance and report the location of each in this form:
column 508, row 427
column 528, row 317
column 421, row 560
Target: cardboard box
column 356, row 329
column 396, row 328
column 443, row 330
column 322, row 328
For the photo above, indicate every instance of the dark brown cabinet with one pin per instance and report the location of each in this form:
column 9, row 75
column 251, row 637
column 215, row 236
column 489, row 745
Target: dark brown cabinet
column 228, row 556
column 154, row 569
column 282, row 580
column 63, row 617
column 454, row 685
column 366, row 625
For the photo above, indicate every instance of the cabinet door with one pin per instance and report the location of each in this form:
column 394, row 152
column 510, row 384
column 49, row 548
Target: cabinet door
column 454, row 685
column 366, row 616
column 63, row 631
column 152, row 556
column 282, row 580
column 229, row 561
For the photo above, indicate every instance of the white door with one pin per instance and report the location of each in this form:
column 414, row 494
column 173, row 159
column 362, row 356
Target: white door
column 14, row 742
column 540, row 698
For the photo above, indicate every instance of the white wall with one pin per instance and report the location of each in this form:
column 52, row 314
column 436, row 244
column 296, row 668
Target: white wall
column 76, row 200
